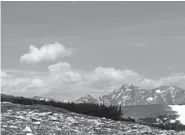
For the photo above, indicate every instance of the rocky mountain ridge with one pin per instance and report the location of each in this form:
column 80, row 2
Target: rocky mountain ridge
column 129, row 94
column 88, row 99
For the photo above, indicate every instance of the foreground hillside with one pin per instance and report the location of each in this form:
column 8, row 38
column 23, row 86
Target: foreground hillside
column 45, row 120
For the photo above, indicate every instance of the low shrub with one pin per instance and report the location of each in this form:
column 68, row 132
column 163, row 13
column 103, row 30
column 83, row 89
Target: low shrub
column 166, row 122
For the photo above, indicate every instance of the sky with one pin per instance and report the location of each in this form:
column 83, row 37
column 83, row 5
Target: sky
column 66, row 50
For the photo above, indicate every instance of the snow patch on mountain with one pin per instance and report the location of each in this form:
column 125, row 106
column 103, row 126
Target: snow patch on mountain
column 158, row 91
column 149, row 99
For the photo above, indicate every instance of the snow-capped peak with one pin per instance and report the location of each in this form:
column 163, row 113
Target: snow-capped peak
column 130, row 94
column 87, row 99
column 48, row 99
column 63, row 101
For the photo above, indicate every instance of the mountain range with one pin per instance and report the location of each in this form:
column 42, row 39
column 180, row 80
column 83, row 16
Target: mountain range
column 48, row 99
column 130, row 94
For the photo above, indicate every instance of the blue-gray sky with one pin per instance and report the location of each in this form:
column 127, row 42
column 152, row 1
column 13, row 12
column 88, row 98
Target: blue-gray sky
column 98, row 46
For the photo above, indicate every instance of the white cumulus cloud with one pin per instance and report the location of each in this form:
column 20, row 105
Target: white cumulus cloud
column 119, row 75
column 148, row 83
column 60, row 66
column 174, row 80
column 36, row 83
column 105, row 77
column 63, row 73
column 48, row 52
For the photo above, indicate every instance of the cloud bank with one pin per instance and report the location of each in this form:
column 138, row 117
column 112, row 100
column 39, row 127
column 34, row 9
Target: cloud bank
column 62, row 77
column 108, row 77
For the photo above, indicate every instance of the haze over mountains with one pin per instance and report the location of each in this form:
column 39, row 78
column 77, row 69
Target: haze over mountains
column 129, row 94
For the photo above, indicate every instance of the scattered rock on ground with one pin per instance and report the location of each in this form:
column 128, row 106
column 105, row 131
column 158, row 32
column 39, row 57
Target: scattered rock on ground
column 19, row 120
